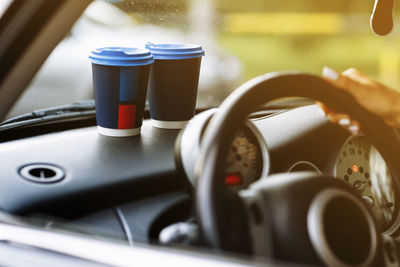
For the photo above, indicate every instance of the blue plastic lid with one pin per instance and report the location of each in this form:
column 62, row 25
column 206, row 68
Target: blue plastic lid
column 121, row 56
column 175, row 51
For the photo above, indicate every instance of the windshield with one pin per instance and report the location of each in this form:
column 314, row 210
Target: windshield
column 242, row 39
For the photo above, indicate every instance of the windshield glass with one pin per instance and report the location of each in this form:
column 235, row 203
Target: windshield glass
column 242, row 39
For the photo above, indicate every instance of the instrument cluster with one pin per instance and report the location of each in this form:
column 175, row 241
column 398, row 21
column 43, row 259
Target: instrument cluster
column 358, row 163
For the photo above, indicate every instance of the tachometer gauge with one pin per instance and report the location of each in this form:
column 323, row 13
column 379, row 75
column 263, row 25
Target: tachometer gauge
column 247, row 159
column 363, row 168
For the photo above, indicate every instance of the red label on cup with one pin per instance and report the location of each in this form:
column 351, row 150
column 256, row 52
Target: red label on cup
column 126, row 116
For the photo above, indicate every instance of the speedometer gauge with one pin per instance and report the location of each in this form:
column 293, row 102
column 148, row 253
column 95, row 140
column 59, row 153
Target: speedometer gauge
column 363, row 168
column 247, row 158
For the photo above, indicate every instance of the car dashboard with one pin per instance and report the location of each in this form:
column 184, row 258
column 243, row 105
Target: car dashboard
column 131, row 189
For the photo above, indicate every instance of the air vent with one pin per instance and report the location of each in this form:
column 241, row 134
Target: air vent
column 42, row 173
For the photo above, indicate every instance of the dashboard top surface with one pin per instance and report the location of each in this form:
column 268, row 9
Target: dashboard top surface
column 91, row 163
column 125, row 169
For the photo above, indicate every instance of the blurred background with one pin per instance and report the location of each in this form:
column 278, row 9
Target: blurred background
column 242, row 39
column 271, row 35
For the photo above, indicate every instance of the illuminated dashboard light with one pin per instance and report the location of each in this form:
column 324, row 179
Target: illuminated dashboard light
column 233, row 179
column 355, row 168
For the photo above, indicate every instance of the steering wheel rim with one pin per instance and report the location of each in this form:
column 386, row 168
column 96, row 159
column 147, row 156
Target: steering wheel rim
column 245, row 100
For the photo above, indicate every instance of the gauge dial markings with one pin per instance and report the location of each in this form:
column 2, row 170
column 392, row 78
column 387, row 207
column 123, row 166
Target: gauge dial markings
column 362, row 167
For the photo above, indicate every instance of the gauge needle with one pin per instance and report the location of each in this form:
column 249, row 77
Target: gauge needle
column 360, row 185
column 388, row 205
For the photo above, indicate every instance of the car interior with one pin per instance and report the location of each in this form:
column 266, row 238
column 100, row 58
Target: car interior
column 262, row 178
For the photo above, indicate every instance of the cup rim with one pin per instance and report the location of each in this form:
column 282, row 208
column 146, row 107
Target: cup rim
column 170, row 51
column 121, row 56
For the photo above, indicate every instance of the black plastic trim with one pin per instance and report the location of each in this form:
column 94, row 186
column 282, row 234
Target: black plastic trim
column 39, row 18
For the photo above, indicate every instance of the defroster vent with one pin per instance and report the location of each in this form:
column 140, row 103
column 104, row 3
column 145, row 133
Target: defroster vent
column 42, row 173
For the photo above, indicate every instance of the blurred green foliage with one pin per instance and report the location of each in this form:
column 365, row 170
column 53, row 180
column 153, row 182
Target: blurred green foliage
column 295, row 6
column 265, row 53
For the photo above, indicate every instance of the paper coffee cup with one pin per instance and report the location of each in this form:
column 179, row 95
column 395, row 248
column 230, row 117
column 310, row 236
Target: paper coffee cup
column 173, row 83
column 120, row 79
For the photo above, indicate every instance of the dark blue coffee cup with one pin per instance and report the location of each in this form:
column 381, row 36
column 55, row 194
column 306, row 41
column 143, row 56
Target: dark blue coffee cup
column 120, row 79
column 173, row 83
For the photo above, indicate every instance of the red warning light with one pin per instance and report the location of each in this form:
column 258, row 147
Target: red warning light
column 233, row 179
column 355, row 168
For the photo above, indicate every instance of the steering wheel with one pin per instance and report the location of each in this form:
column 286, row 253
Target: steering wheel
column 279, row 212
